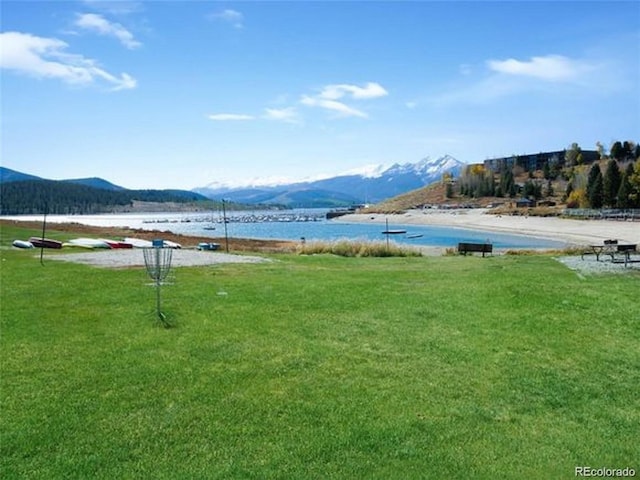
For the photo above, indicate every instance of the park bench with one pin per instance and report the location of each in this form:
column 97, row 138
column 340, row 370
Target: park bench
column 465, row 247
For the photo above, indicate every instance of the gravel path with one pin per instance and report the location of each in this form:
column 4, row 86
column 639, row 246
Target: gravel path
column 590, row 266
column 119, row 258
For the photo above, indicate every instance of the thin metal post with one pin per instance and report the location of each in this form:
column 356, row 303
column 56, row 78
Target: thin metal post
column 158, row 282
column 387, row 230
column 224, row 220
column 44, row 229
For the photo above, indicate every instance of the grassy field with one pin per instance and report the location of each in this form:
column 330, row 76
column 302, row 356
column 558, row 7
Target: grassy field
column 314, row 367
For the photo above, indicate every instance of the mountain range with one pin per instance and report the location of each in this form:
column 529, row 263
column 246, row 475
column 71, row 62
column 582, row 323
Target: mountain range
column 376, row 185
column 372, row 185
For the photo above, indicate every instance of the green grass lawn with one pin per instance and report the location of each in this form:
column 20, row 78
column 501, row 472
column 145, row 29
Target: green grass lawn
column 318, row 367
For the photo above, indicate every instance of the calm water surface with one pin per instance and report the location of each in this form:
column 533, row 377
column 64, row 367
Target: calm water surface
column 211, row 225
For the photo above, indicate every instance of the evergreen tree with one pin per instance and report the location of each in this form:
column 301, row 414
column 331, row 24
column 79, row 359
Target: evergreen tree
column 612, row 180
column 573, row 156
column 633, row 174
column 617, row 151
column 449, row 190
column 624, row 192
column 507, row 183
column 595, row 187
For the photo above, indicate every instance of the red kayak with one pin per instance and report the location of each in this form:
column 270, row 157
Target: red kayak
column 116, row 243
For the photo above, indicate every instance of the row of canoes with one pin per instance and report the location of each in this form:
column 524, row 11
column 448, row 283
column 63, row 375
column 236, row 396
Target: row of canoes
column 38, row 242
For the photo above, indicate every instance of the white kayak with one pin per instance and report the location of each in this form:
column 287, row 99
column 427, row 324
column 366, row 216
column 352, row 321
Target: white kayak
column 22, row 244
column 87, row 243
column 141, row 243
column 138, row 242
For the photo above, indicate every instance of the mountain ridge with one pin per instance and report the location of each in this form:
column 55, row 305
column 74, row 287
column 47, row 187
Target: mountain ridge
column 375, row 184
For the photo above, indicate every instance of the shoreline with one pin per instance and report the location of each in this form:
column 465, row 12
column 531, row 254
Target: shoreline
column 573, row 232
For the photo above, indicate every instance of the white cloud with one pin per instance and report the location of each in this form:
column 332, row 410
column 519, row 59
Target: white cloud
column 550, row 68
column 329, row 97
column 221, row 117
column 100, row 25
column 342, row 109
column 288, row 114
column 370, row 90
column 551, row 75
column 46, row 58
column 233, row 17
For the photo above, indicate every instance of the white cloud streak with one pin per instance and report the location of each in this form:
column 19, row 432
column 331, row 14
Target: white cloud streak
column 329, row 97
column 548, row 75
column 289, row 114
column 47, row 58
column 100, row 25
column 342, row 109
column 232, row 17
column 553, row 68
column 223, row 117
column 370, row 90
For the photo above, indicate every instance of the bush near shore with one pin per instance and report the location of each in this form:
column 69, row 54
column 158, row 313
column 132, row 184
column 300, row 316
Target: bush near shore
column 349, row 248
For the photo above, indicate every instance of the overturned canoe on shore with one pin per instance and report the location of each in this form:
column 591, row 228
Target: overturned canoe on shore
column 87, row 243
column 116, row 243
column 22, row 244
column 45, row 243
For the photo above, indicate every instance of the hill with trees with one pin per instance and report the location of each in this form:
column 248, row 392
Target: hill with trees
column 571, row 180
column 66, row 197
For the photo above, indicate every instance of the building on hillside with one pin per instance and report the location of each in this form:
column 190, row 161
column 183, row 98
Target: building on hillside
column 536, row 161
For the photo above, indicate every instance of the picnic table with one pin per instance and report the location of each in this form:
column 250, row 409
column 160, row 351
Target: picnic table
column 619, row 252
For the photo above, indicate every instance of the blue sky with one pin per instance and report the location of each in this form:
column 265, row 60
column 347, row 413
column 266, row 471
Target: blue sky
column 182, row 94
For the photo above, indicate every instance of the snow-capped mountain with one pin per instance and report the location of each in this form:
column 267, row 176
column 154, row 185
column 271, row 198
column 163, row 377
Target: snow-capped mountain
column 369, row 184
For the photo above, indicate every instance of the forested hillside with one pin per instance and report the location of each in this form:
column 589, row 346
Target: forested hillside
column 57, row 197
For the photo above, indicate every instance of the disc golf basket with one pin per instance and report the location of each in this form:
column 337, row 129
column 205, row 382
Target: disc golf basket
column 157, row 260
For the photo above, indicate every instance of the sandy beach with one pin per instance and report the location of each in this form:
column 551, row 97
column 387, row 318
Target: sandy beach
column 573, row 232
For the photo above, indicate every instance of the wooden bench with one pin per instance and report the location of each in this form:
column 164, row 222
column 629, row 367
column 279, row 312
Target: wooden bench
column 465, row 247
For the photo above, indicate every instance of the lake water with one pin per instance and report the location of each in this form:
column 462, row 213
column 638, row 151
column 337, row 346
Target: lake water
column 288, row 225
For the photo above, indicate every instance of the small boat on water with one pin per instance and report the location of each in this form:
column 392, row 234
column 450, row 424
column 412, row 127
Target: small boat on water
column 415, row 235
column 22, row 244
column 45, row 243
column 388, row 231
